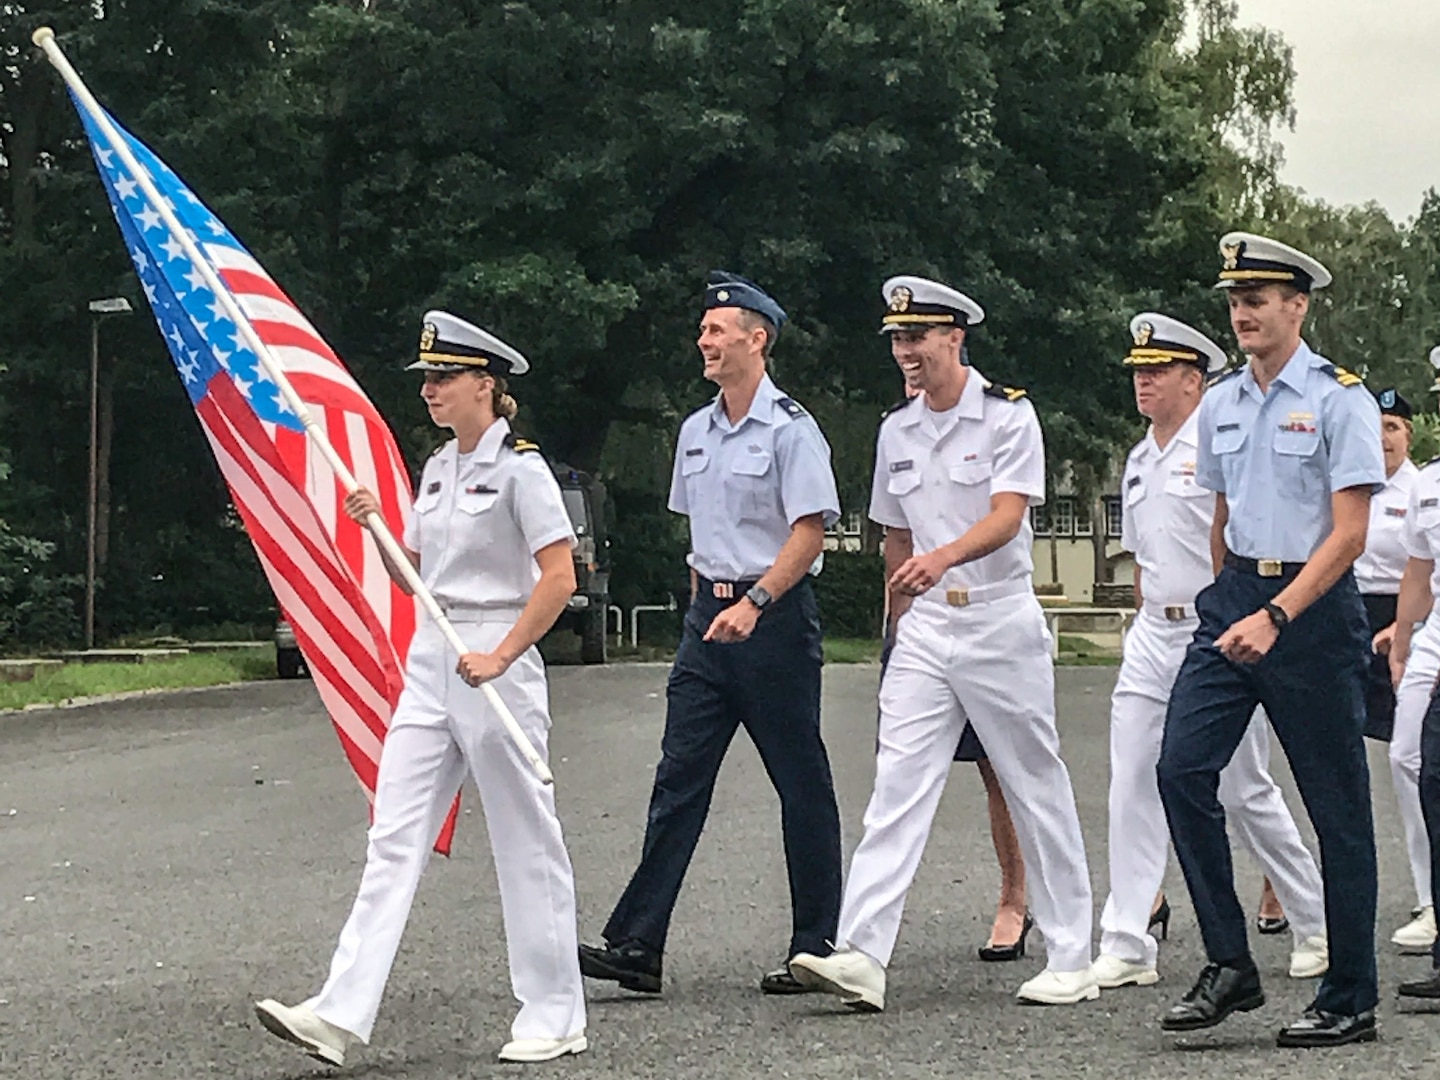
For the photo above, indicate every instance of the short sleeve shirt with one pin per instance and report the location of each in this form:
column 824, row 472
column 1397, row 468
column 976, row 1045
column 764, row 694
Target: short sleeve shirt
column 1167, row 517
column 936, row 481
column 1421, row 534
column 1278, row 457
column 744, row 485
column 480, row 518
column 1379, row 569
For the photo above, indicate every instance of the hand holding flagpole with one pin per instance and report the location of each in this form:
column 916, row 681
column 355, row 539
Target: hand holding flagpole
column 44, row 38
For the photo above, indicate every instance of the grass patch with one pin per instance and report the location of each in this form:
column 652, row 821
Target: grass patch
column 89, row 680
column 852, row 650
column 1077, row 651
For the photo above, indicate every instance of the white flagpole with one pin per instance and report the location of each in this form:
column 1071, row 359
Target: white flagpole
column 44, row 38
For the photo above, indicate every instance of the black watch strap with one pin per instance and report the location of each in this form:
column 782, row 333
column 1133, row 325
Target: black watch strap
column 1277, row 615
column 759, row 597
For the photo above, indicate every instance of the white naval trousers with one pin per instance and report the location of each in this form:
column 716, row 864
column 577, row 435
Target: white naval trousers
column 442, row 727
column 1412, row 698
column 988, row 663
column 1139, row 835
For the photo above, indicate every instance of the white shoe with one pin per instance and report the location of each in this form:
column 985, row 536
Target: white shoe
column 1060, row 987
column 544, row 1049
column 319, row 1038
column 857, row 979
column 1111, row 973
column 1311, row 958
column 1417, row 936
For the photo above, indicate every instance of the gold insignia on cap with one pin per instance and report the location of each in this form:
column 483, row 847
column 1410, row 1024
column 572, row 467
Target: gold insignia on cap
column 1143, row 333
column 428, row 333
column 900, row 298
column 1232, row 254
column 723, row 295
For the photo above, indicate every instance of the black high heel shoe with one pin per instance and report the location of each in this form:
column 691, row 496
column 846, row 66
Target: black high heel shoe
column 994, row 954
column 1161, row 917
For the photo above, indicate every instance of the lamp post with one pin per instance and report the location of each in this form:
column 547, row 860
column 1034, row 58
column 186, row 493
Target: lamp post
column 114, row 305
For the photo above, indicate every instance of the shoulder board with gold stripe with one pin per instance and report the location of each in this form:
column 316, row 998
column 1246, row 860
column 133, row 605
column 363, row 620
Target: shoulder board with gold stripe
column 897, row 406
column 521, row 446
column 1008, row 393
column 1340, row 375
column 1228, row 373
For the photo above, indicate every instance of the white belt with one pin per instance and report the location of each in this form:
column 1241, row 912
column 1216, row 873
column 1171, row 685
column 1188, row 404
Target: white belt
column 1169, row 612
column 460, row 613
column 978, row 594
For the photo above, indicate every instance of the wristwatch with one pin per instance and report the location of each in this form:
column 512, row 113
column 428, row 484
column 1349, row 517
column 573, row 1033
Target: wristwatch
column 759, row 597
column 1277, row 615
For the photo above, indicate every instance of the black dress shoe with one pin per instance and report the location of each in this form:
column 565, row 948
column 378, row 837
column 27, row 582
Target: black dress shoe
column 1219, row 991
column 995, row 954
column 1422, row 988
column 1320, row 1028
column 1266, row 925
column 780, row 981
column 633, row 965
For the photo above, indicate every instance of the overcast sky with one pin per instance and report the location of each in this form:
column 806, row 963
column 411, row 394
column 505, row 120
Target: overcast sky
column 1367, row 97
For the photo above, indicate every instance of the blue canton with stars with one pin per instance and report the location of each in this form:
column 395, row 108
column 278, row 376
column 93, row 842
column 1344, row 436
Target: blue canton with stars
column 203, row 341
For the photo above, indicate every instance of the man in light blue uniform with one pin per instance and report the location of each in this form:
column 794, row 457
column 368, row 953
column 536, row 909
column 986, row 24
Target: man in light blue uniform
column 1291, row 446
column 752, row 472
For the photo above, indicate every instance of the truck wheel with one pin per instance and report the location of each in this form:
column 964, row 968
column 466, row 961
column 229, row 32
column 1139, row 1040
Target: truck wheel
column 289, row 664
column 592, row 637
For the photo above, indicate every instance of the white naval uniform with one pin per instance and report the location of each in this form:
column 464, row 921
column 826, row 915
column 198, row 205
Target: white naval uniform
column 1166, row 524
column 1380, row 566
column 1421, row 539
column 987, row 661
column 478, row 521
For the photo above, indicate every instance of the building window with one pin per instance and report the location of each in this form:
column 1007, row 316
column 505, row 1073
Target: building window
column 1062, row 516
column 1083, row 525
column 1039, row 520
column 1114, row 517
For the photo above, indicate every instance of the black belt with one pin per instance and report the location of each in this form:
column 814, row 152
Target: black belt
column 724, row 590
column 1266, row 568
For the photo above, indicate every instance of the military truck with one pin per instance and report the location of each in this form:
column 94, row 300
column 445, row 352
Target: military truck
column 589, row 607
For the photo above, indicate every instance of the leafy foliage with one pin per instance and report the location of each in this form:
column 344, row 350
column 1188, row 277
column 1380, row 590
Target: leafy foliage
column 565, row 171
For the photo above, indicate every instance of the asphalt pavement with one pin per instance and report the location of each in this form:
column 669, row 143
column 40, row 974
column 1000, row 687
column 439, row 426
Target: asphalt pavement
column 165, row 861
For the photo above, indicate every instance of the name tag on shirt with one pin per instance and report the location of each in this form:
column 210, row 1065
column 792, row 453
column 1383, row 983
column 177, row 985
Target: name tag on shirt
column 1133, row 481
column 433, row 488
column 1424, row 503
column 481, row 489
column 1228, row 427
column 902, row 466
column 695, row 451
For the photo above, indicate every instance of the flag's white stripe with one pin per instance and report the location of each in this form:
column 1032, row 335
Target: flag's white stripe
column 296, row 360
column 258, row 306
column 378, row 590
column 341, row 711
column 332, row 600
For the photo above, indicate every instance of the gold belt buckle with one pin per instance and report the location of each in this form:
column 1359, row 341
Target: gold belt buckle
column 722, row 590
column 1175, row 612
column 957, row 597
column 1269, row 567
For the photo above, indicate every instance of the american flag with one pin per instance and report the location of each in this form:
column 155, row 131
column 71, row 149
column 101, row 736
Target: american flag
column 352, row 623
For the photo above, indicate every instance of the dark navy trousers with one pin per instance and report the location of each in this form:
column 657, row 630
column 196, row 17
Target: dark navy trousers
column 1430, row 795
column 1312, row 686
column 770, row 685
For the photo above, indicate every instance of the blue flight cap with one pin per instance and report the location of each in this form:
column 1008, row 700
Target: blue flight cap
column 732, row 290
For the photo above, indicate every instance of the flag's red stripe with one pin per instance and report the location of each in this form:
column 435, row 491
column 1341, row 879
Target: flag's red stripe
column 371, row 669
column 349, row 541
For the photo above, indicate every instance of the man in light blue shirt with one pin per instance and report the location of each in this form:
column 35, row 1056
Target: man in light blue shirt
column 1290, row 444
column 752, row 472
